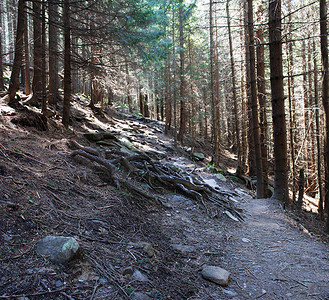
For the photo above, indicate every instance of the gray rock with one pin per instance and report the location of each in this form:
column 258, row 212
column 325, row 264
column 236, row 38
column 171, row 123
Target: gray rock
column 149, row 250
column 221, row 177
column 216, row 274
column 198, row 156
column 59, row 283
column 147, row 247
column 230, row 293
column 139, row 296
column 183, row 249
column 58, row 249
column 179, row 199
column 22, row 298
column 139, row 276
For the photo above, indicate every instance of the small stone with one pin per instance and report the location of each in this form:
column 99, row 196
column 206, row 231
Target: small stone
column 149, row 250
column 102, row 281
column 230, row 293
column 139, row 276
column 127, row 271
column 59, row 283
column 198, row 156
column 58, row 249
column 245, row 240
column 22, row 298
column 216, row 274
column 147, row 247
column 139, row 296
column 183, row 249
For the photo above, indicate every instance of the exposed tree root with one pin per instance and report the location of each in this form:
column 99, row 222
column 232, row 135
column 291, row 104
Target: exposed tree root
column 123, row 170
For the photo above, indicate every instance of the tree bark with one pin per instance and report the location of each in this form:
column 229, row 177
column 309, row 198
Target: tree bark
column 301, row 190
column 278, row 113
column 254, row 107
column 291, row 96
column 27, row 84
column 14, row 78
column 182, row 89
column 168, row 99
column 262, row 101
column 317, row 131
column 129, row 98
column 213, row 93
column 325, row 97
column 67, row 63
column 2, row 85
column 53, row 53
column 43, row 59
column 234, row 95
column 37, row 53
column 251, row 150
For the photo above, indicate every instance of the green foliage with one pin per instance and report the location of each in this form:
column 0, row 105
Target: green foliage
column 18, row 151
column 130, row 290
column 51, row 185
column 213, row 169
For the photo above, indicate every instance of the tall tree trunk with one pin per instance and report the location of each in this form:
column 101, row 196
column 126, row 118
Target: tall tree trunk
column 182, row 89
column 37, row 53
column 27, row 84
column 129, row 98
column 317, row 130
column 168, row 99
column 67, row 63
column 312, row 188
column 306, row 160
column 213, row 83
column 234, row 96
column 244, row 130
column 278, row 113
column 254, row 107
column 53, row 53
column 14, row 78
column 43, row 60
column 262, row 101
column 291, row 96
column 251, row 150
column 205, row 134
column 2, row 85
column 325, row 97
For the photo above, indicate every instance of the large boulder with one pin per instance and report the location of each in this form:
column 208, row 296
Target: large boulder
column 58, row 249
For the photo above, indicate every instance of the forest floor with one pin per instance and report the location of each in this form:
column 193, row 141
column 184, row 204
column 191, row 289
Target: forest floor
column 43, row 191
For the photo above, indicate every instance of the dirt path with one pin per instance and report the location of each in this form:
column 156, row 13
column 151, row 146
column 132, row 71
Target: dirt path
column 272, row 259
column 268, row 257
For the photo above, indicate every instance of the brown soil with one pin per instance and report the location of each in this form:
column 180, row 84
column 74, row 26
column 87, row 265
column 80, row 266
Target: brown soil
column 43, row 191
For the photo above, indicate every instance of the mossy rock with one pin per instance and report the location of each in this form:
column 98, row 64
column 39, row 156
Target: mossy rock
column 236, row 179
column 198, row 156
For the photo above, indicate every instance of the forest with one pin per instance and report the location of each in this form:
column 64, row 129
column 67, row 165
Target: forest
column 247, row 80
column 215, row 71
